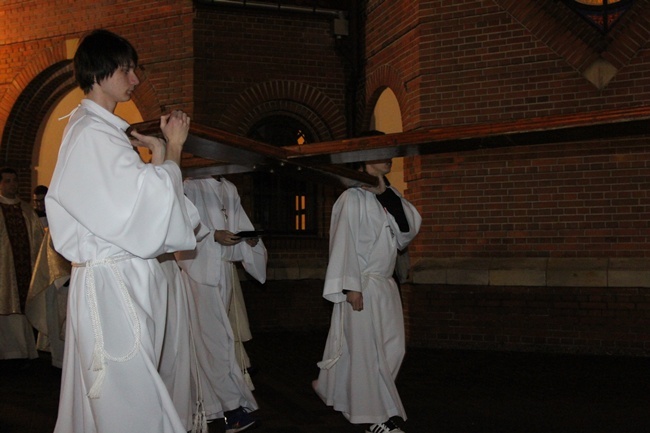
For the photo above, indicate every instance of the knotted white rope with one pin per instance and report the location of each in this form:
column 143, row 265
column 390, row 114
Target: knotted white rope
column 70, row 114
column 99, row 352
column 200, row 421
column 242, row 357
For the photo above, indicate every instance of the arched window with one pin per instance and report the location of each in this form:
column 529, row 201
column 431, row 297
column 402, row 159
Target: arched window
column 602, row 14
column 284, row 204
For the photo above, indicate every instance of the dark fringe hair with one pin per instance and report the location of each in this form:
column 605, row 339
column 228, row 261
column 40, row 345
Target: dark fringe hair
column 99, row 55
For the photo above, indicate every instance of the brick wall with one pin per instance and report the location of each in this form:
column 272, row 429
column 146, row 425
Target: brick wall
column 563, row 200
column 477, row 62
column 251, row 63
column 35, row 69
column 548, row 319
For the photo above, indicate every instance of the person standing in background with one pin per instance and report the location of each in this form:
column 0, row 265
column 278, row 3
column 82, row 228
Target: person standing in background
column 38, row 197
column 21, row 234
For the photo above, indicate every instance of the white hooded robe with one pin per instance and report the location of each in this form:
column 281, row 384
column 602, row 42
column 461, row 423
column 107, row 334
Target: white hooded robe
column 211, row 271
column 364, row 349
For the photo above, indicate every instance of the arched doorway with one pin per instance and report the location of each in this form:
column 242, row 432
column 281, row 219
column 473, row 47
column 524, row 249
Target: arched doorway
column 286, row 204
column 387, row 117
column 20, row 137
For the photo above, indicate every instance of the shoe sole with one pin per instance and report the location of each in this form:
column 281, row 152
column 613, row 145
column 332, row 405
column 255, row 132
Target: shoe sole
column 237, row 430
column 392, row 431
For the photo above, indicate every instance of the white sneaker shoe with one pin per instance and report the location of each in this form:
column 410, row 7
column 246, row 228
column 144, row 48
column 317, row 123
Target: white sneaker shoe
column 385, row 427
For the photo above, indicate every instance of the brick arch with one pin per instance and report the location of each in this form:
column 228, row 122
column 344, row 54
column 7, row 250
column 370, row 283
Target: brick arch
column 43, row 61
column 41, row 84
column 319, row 129
column 289, row 97
column 385, row 76
column 30, row 101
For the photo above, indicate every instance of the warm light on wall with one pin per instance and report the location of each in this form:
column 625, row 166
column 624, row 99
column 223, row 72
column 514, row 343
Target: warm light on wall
column 387, row 117
column 71, row 47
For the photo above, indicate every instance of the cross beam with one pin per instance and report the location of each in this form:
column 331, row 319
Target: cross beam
column 542, row 130
column 211, row 151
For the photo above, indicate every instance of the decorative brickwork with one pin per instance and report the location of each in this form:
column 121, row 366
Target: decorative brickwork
column 477, row 62
column 252, row 63
column 381, row 78
column 307, row 103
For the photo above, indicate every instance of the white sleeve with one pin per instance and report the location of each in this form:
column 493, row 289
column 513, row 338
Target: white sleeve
column 104, row 186
column 343, row 269
column 202, row 264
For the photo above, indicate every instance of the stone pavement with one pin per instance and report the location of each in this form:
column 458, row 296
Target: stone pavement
column 444, row 391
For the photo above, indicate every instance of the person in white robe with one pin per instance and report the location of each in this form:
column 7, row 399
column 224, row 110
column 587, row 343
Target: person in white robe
column 178, row 357
column 175, row 361
column 211, row 273
column 112, row 215
column 366, row 342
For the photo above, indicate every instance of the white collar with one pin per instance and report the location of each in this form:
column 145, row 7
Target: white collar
column 100, row 111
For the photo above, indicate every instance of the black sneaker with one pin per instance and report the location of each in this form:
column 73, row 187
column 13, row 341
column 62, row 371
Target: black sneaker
column 385, row 427
column 238, row 420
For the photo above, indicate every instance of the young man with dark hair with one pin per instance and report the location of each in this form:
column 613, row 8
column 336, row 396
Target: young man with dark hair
column 111, row 215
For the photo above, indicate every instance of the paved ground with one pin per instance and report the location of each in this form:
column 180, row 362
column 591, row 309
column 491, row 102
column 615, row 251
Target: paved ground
column 444, row 391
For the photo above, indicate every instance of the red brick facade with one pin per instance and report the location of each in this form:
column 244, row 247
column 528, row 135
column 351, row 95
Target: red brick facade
column 476, row 62
column 449, row 63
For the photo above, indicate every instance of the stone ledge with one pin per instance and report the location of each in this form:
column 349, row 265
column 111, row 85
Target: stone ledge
column 552, row 272
column 534, row 272
column 305, row 269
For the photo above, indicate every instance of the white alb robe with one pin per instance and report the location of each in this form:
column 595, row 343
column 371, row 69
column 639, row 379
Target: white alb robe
column 176, row 357
column 364, row 349
column 113, row 215
column 210, row 270
column 178, row 352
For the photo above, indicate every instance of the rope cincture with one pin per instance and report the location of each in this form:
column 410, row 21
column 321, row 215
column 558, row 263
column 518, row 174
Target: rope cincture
column 100, row 355
column 246, row 374
column 199, row 420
